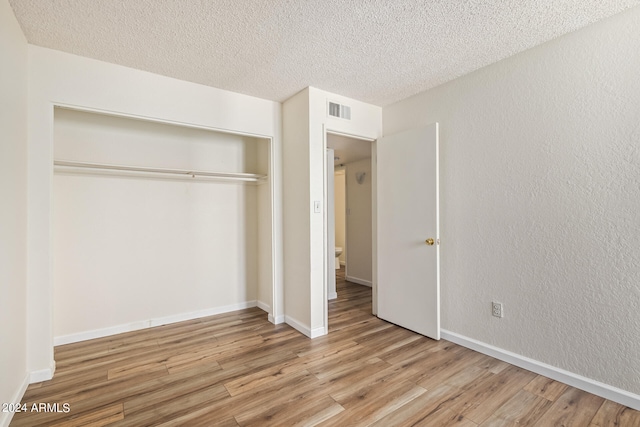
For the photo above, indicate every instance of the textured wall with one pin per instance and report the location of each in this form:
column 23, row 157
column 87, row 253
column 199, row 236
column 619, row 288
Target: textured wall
column 540, row 200
column 13, row 208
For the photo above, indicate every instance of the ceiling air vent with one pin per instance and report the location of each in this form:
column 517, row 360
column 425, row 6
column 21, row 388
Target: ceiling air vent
column 338, row 110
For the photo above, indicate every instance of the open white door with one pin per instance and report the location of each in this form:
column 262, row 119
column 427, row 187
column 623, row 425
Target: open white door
column 408, row 230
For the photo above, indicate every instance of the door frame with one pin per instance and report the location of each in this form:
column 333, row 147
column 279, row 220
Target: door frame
column 374, row 219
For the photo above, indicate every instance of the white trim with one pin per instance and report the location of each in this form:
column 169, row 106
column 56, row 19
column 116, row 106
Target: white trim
column 113, row 113
column 304, row 329
column 620, row 396
column 5, row 417
column 277, row 286
column 349, row 135
column 42, row 374
column 263, row 306
column 134, row 326
column 327, row 259
column 343, row 263
column 298, row 326
column 358, row 281
column 333, row 295
column 276, row 320
column 318, row 332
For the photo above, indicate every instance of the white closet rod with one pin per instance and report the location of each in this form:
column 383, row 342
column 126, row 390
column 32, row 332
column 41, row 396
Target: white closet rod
column 67, row 165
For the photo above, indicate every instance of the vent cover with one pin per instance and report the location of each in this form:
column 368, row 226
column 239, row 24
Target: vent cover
column 340, row 111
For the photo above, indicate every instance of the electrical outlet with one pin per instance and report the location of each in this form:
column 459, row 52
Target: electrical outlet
column 496, row 309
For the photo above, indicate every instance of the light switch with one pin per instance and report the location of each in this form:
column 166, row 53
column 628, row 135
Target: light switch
column 316, row 206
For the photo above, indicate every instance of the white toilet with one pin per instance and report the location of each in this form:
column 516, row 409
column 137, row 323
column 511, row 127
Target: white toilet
column 338, row 253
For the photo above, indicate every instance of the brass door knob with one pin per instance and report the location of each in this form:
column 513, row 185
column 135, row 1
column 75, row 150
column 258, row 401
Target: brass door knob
column 429, row 241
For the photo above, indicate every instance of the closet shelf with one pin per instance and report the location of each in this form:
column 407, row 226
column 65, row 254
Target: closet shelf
column 73, row 166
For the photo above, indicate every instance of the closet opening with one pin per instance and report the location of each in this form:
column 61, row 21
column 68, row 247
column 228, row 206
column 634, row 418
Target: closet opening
column 155, row 223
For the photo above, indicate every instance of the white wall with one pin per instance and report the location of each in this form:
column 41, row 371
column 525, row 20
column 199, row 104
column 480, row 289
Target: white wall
column 127, row 250
column 13, row 210
column 540, row 173
column 58, row 78
column 341, row 209
column 359, row 227
column 296, row 211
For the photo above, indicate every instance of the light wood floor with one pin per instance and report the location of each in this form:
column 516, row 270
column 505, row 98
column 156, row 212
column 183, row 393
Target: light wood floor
column 238, row 369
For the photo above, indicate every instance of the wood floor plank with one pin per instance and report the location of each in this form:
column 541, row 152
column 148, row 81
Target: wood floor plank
column 148, row 365
column 445, row 418
column 111, row 392
column 256, row 359
column 613, row 414
column 264, row 376
column 573, row 408
column 419, row 346
column 179, row 405
column 354, row 373
column 454, row 366
column 99, row 418
column 394, row 373
column 298, row 386
column 206, row 420
column 483, row 398
column 373, row 403
column 546, row 387
column 60, row 385
column 238, row 369
column 523, row 409
column 419, row 409
column 99, row 394
column 163, row 395
column 306, row 412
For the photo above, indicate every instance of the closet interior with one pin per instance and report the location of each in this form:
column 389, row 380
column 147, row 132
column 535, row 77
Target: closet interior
column 156, row 222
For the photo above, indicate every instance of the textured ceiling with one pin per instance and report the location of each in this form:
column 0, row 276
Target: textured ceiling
column 377, row 51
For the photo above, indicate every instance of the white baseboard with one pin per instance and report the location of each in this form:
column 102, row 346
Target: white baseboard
column 134, row 326
column 342, row 263
column 332, row 295
column 318, row 332
column 42, row 374
column 304, row 329
column 6, row 417
column 620, row 396
column 358, row 281
column 277, row 319
column 263, row 306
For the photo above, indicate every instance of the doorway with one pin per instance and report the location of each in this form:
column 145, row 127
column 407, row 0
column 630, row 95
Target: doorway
column 349, row 222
